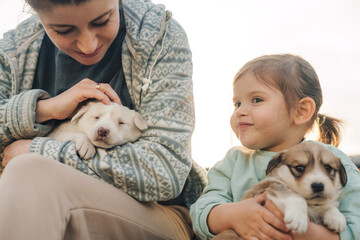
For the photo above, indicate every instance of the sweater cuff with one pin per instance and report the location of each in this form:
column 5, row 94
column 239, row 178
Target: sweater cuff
column 20, row 113
column 50, row 148
column 203, row 220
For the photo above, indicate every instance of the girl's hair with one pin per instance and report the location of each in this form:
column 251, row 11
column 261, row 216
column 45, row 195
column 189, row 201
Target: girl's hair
column 296, row 79
column 44, row 4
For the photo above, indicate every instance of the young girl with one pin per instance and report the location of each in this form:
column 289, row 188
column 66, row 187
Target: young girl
column 277, row 99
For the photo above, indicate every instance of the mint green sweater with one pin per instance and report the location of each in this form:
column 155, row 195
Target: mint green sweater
column 241, row 169
column 159, row 166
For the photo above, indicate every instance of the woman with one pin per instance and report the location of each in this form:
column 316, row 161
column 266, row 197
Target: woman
column 131, row 52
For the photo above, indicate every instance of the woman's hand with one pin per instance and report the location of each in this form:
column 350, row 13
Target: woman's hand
column 64, row 105
column 249, row 219
column 15, row 149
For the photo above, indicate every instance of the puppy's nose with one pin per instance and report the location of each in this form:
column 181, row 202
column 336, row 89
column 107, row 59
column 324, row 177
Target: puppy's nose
column 317, row 187
column 103, row 132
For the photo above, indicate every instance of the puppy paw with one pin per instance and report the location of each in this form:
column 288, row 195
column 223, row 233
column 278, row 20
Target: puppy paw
column 296, row 220
column 334, row 220
column 85, row 148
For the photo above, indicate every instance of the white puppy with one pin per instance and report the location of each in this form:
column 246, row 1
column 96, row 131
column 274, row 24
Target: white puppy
column 100, row 125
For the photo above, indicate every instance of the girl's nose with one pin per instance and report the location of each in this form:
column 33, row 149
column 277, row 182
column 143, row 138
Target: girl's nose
column 241, row 110
column 87, row 42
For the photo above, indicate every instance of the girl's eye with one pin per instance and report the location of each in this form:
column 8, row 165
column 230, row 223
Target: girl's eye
column 257, row 100
column 97, row 117
column 121, row 123
column 237, row 104
column 101, row 24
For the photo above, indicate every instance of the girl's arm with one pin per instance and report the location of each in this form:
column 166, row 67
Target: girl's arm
column 248, row 218
column 217, row 210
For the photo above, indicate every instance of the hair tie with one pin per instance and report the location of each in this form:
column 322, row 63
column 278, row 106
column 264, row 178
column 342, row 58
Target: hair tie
column 322, row 121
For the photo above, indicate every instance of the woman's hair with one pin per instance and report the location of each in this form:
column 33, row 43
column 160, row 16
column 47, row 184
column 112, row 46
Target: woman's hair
column 43, row 4
column 296, row 79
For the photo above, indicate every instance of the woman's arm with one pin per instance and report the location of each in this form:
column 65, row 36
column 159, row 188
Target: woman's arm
column 17, row 116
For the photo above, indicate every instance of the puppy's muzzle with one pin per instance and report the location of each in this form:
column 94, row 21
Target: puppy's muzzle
column 317, row 187
column 102, row 133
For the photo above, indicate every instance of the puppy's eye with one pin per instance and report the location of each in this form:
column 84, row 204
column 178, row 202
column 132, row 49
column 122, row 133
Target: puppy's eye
column 328, row 168
column 96, row 117
column 300, row 168
column 121, row 123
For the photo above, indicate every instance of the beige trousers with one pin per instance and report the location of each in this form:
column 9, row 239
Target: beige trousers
column 41, row 199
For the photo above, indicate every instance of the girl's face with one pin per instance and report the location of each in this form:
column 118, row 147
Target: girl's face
column 261, row 119
column 84, row 32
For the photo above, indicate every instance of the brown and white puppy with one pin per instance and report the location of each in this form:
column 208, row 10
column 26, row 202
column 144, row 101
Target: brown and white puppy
column 99, row 125
column 305, row 180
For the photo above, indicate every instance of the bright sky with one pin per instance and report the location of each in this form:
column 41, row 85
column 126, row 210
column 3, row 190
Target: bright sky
column 224, row 35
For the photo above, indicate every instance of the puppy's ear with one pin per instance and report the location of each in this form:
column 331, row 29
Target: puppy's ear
column 140, row 122
column 342, row 174
column 275, row 161
column 80, row 112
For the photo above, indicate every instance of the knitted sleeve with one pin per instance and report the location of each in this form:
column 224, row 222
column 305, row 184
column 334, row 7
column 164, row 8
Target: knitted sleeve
column 17, row 112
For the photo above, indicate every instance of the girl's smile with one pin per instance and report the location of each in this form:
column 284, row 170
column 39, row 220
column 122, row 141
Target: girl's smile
column 244, row 125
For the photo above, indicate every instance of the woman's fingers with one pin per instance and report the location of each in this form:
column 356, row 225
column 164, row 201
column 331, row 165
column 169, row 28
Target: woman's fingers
column 107, row 90
column 63, row 105
column 100, row 91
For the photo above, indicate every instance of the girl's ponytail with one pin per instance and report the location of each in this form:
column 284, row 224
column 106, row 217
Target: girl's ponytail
column 329, row 129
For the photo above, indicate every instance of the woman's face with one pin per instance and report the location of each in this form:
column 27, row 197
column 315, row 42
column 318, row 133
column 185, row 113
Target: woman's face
column 84, row 32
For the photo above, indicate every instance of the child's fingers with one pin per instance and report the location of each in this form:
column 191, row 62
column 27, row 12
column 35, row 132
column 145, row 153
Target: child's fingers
column 269, row 205
column 275, row 225
column 270, row 232
column 260, row 199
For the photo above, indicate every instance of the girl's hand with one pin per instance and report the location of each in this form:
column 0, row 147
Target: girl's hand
column 249, row 219
column 64, row 105
column 16, row 148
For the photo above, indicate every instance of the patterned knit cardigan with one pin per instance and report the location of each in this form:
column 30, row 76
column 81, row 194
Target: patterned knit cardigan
column 159, row 166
